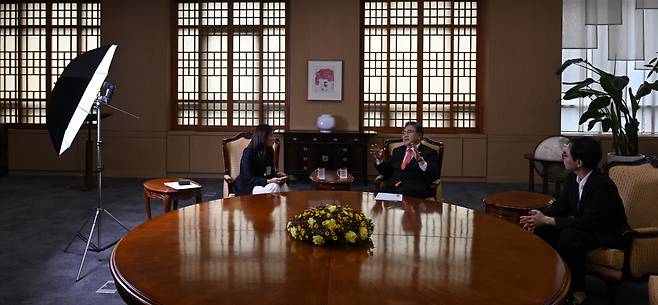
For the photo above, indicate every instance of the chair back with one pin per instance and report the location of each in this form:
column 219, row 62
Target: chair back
column 638, row 188
column 390, row 145
column 233, row 148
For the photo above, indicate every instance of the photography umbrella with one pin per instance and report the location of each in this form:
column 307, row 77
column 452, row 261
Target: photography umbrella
column 74, row 95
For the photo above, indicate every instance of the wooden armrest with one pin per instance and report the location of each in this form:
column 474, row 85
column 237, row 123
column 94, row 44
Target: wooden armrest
column 436, row 182
column 646, row 232
column 379, row 178
column 228, row 179
column 280, row 174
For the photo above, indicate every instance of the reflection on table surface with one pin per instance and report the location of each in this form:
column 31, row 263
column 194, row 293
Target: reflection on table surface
column 237, row 251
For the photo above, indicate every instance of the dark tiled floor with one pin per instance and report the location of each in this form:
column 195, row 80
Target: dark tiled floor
column 41, row 214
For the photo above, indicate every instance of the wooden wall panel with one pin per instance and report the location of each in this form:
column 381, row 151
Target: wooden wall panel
column 178, row 154
column 474, row 157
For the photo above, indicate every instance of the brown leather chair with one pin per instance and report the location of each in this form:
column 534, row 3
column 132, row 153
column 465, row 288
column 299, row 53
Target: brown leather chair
column 233, row 148
column 653, row 290
column 638, row 189
column 437, row 186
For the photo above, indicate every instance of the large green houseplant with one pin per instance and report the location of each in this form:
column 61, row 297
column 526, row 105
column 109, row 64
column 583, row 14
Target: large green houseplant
column 608, row 104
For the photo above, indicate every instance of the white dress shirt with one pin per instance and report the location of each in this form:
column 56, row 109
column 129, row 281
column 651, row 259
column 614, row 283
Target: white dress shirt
column 581, row 184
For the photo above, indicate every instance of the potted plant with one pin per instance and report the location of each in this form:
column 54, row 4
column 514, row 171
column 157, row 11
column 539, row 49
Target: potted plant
column 609, row 106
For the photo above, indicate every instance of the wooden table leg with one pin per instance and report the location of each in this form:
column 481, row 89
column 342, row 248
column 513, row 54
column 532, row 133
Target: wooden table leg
column 147, row 205
column 167, row 204
column 199, row 197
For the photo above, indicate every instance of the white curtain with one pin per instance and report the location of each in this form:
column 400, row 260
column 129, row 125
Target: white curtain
column 618, row 36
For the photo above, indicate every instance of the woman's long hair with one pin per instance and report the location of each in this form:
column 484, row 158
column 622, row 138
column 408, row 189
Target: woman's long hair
column 259, row 141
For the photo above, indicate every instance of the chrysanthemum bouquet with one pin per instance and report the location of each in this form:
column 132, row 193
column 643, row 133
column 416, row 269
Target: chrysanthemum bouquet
column 331, row 224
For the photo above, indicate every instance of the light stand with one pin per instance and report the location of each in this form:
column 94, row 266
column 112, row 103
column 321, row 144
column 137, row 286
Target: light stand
column 100, row 100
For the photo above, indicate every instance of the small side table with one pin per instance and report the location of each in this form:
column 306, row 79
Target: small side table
column 512, row 205
column 331, row 181
column 155, row 189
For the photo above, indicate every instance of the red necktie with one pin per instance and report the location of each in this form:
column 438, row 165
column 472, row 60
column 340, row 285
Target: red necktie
column 407, row 158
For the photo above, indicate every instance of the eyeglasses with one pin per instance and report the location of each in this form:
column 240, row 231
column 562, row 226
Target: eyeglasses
column 408, row 131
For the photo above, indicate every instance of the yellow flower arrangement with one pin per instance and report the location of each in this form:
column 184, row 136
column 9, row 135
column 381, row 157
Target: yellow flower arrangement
column 331, row 224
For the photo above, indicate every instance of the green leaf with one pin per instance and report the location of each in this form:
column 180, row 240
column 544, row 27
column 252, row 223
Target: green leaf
column 578, row 93
column 598, row 103
column 645, row 89
column 606, row 124
column 620, row 82
column 653, row 60
column 591, row 124
column 610, row 88
column 568, row 63
column 635, row 104
column 590, row 114
column 582, row 83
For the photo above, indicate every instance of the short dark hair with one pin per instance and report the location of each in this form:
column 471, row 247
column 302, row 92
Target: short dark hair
column 587, row 150
column 416, row 126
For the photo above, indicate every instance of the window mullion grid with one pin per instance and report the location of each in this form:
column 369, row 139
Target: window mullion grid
column 229, row 65
column 386, row 113
column 419, row 64
column 49, row 48
column 261, row 110
column 78, row 28
column 19, row 58
column 451, row 79
column 200, row 78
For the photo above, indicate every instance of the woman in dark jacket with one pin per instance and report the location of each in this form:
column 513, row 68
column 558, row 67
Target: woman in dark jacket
column 258, row 174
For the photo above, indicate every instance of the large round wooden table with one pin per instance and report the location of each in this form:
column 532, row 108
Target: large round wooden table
column 237, row 251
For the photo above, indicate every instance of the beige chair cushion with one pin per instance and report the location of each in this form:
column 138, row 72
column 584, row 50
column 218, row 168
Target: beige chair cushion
column 637, row 188
column 653, row 290
column 604, row 272
column 611, row 258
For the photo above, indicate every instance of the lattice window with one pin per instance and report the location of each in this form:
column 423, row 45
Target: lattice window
column 231, row 64
column 419, row 64
column 37, row 40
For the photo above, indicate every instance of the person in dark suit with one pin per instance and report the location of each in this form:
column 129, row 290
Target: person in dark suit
column 258, row 175
column 588, row 215
column 411, row 168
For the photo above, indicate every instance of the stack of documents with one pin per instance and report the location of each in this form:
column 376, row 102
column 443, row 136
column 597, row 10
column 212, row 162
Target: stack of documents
column 175, row 185
column 388, row 197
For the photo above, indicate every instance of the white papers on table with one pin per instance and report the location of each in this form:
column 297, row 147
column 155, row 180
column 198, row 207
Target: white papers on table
column 388, row 197
column 175, row 185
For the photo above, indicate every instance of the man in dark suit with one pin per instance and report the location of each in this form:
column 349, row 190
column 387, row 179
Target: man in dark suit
column 411, row 168
column 588, row 215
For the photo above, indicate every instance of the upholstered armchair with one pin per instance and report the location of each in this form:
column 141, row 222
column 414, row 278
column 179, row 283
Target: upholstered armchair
column 232, row 148
column 638, row 188
column 653, row 290
column 437, row 186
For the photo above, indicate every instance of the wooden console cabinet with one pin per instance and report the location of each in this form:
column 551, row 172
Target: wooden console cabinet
column 306, row 151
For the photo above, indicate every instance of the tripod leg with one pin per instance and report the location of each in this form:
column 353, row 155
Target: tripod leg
column 77, row 233
column 98, row 229
column 115, row 219
column 91, row 232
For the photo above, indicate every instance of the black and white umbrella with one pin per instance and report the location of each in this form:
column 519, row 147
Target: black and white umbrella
column 74, row 95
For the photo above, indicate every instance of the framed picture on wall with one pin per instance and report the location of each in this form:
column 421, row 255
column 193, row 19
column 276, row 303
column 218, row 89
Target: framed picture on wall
column 325, row 80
